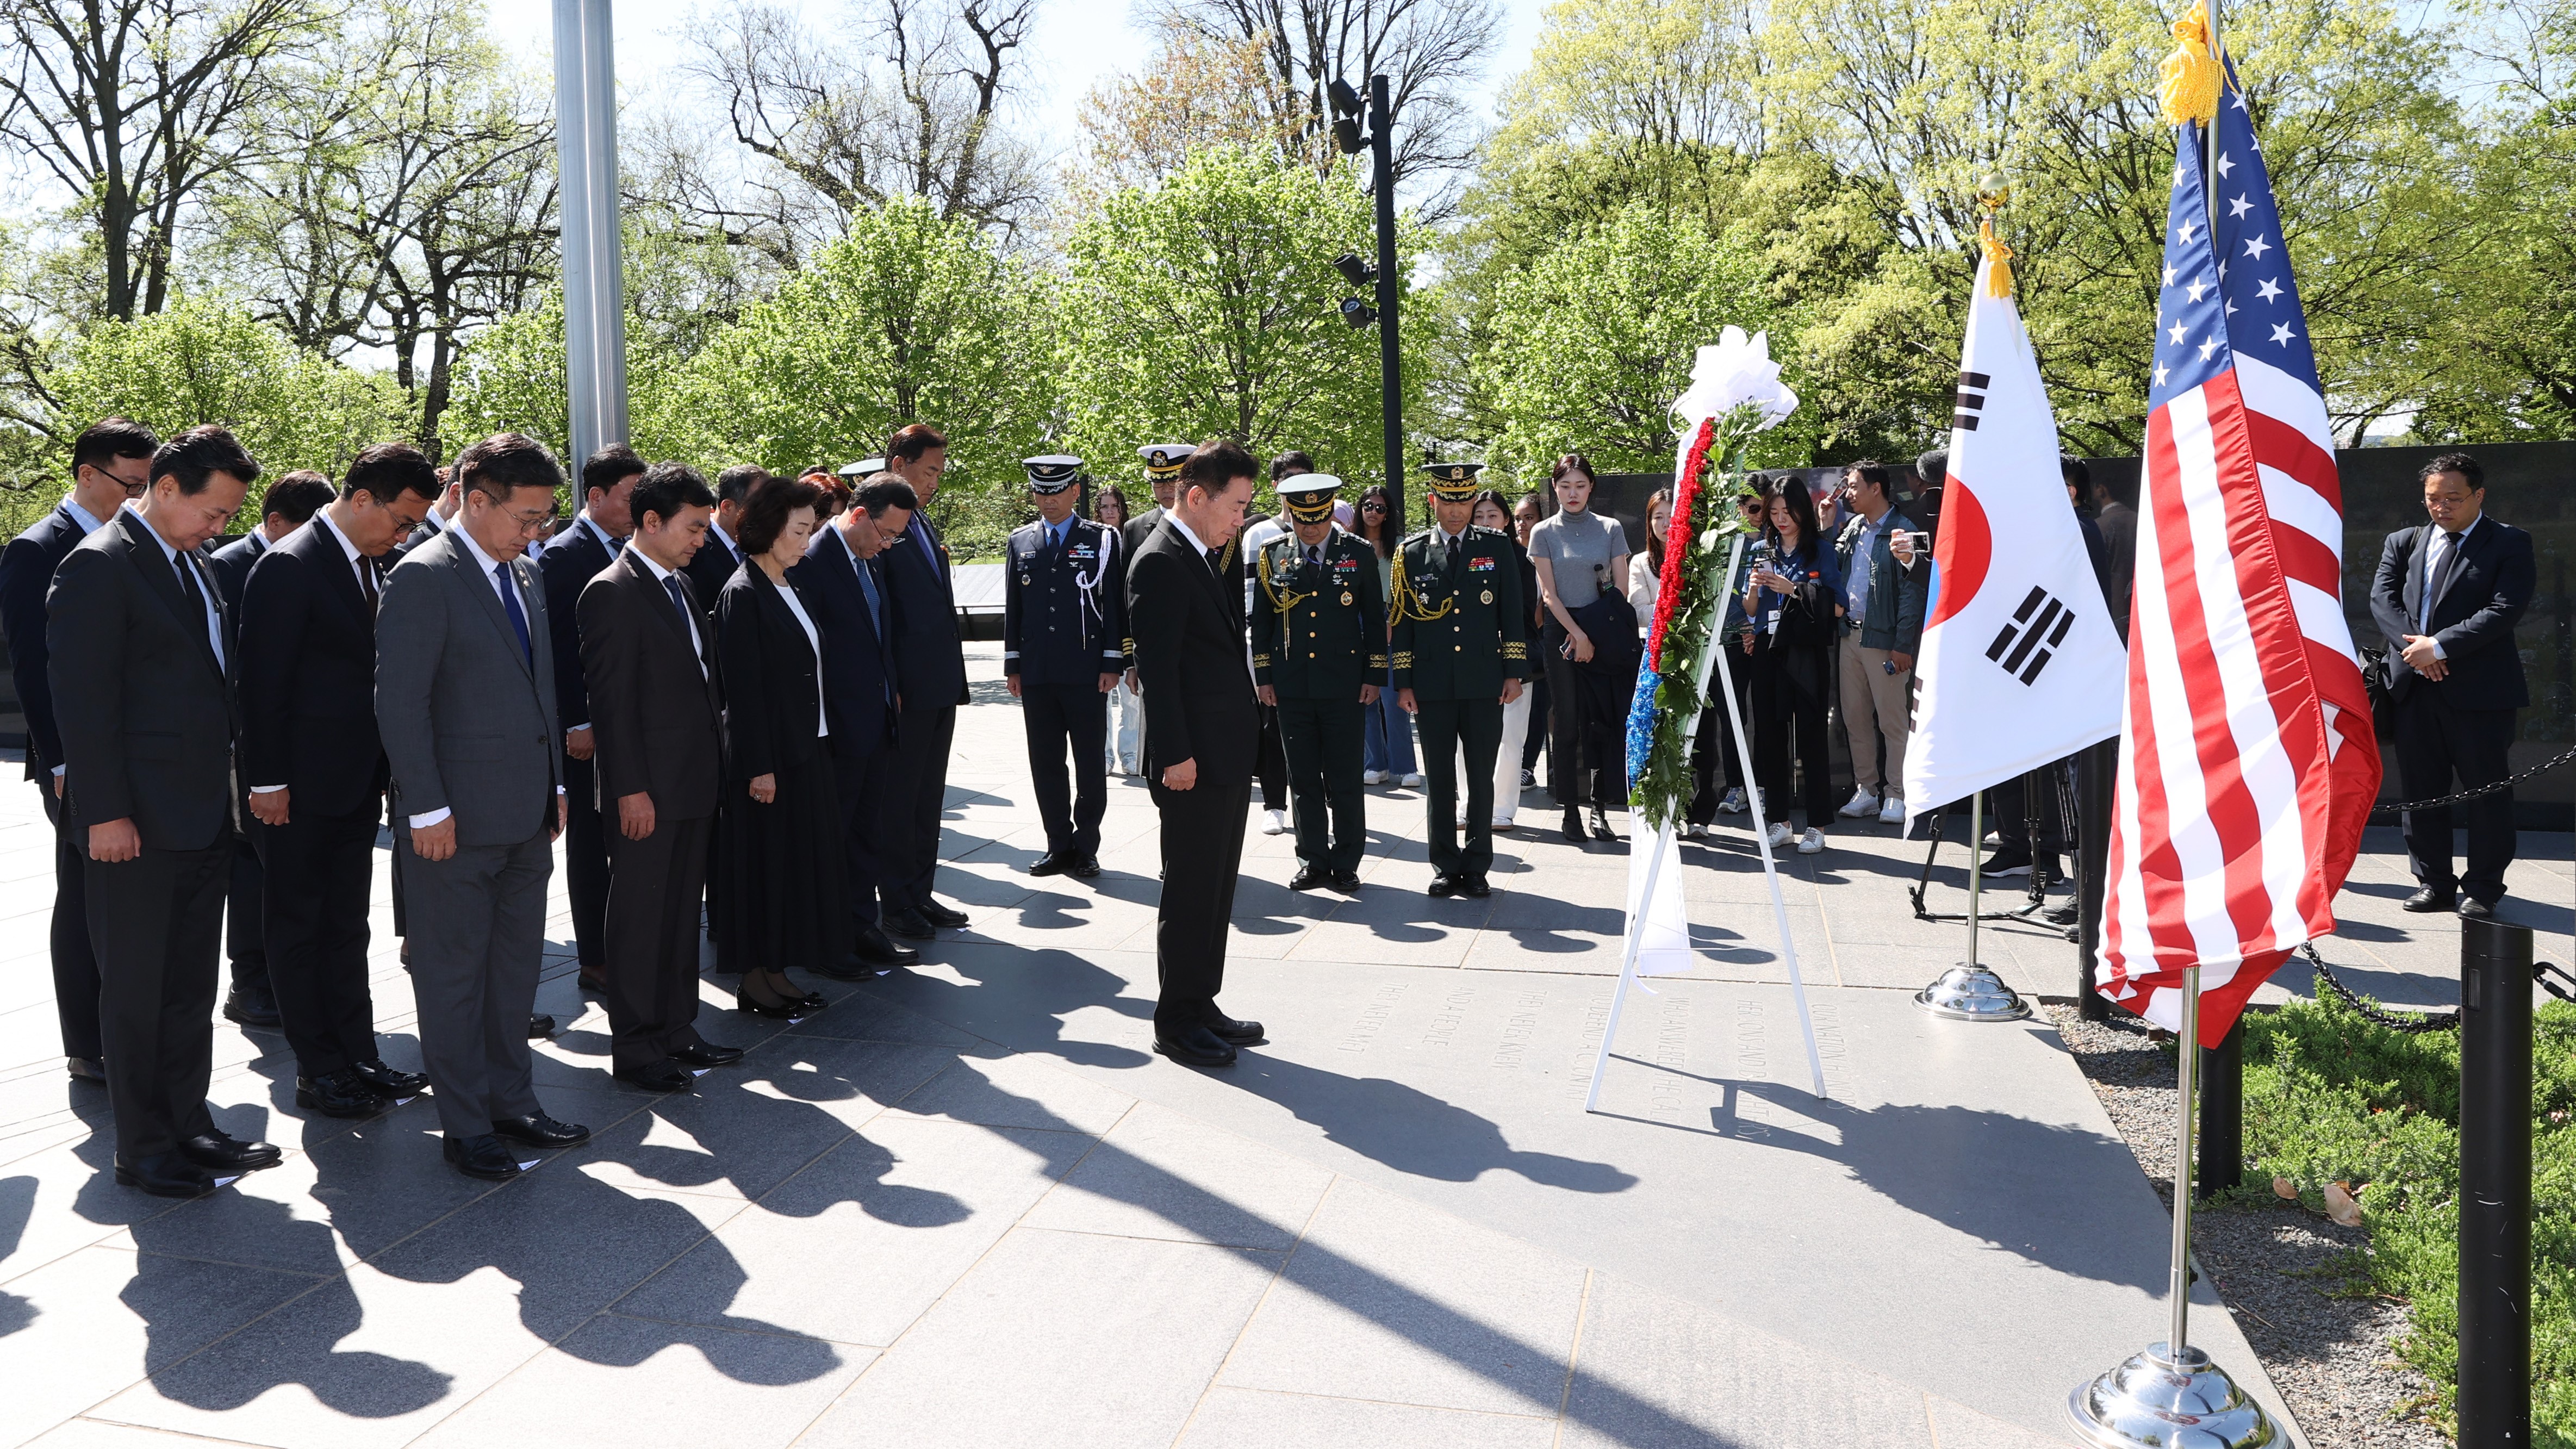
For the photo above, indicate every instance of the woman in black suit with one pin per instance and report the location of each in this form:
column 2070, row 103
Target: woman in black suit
column 782, row 853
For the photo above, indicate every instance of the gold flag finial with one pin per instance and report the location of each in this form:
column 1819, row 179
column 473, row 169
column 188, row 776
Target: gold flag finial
column 1999, row 281
column 2188, row 81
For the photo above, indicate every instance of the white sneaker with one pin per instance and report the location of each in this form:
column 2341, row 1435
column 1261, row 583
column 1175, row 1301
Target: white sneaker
column 1892, row 811
column 1372, row 777
column 1278, row 823
column 1733, row 804
column 1862, row 802
column 1694, row 830
column 1412, row 781
column 1779, row 833
column 1812, row 843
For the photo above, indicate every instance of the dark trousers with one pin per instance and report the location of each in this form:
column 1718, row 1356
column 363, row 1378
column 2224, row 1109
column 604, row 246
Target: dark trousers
column 1445, row 726
column 319, row 878
column 1202, row 855
column 1781, row 717
column 1572, row 769
column 907, row 834
column 245, row 929
column 475, row 951
column 158, row 921
column 1061, row 717
column 1270, row 766
column 654, row 886
column 1323, row 739
column 75, row 964
column 585, row 863
column 863, row 785
column 1534, row 741
column 2434, row 742
column 1715, row 742
column 2011, row 803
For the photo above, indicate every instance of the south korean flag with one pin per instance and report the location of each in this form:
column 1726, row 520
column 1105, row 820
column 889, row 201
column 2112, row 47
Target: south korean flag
column 2019, row 663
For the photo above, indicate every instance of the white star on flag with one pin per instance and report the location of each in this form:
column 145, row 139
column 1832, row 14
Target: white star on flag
column 2176, row 334
column 2209, row 349
column 2255, row 247
column 2239, row 207
column 2189, row 230
column 2197, row 289
column 2224, row 165
column 2169, row 276
column 2281, row 333
column 2270, row 291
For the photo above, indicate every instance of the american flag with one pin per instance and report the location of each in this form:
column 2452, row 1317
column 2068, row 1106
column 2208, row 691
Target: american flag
column 2247, row 762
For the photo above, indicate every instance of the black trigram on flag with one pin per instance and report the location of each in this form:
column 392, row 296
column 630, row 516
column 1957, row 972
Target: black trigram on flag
column 1972, row 400
column 2027, row 643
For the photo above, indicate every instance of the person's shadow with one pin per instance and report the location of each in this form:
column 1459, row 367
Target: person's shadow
column 1018, row 997
column 17, row 1207
column 1411, row 1130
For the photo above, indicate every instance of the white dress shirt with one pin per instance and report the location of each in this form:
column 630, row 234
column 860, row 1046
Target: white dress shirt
column 796, row 606
column 89, row 523
column 205, row 593
column 2437, row 552
column 661, row 579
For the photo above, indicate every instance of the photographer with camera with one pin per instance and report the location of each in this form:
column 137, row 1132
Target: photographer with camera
column 1793, row 603
column 1883, row 599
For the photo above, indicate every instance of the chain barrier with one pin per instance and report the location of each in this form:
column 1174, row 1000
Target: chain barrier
column 2460, row 797
column 2423, row 1023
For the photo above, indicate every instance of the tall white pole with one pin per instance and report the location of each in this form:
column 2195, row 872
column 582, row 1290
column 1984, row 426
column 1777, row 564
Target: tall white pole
column 587, row 196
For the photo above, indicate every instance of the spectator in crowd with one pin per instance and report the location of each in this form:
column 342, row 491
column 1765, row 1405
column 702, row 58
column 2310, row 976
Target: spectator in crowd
column 2446, row 599
column 1126, row 711
column 932, row 664
column 594, row 539
column 136, row 647
column 465, row 690
column 111, row 462
column 1883, row 602
column 1581, row 560
column 2118, row 524
column 1791, row 602
column 1388, row 751
column 1526, row 516
column 1751, row 511
column 317, row 772
column 451, row 497
column 1713, row 746
column 1491, row 512
column 1830, row 505
column 835, row 498
column 780, row 812
column 292, row 499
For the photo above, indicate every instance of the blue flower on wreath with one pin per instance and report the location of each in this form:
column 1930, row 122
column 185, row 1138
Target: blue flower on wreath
column 1643, row 715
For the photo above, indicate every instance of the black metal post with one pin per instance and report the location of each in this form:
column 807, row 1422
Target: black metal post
column 2093, row 783
column 2495, row 1185
column 1390, row 289
column 2222, row 1113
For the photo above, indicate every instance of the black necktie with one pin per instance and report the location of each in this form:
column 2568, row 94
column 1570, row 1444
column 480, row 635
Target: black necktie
column 689, row 626
column 1315, row 554
column 367, row 584
column 196, row 598
column 518, row 616
column 1211, row 556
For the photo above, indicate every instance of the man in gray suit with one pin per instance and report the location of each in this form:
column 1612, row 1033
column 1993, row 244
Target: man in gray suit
column 464, row 701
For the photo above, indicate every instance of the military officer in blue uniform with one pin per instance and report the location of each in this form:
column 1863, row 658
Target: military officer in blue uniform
column 1461, row 653
column 1318, row 648
column 1064, row 646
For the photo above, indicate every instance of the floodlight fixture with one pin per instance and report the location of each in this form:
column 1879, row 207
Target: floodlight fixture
column 1357, row 313
column 1347, row 138
column 1346, row 101
column 1354, row 271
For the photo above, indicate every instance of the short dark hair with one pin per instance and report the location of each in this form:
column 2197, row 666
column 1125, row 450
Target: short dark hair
column 882, row 493
column 2077, row 473
column 1875, row 474
column 1573, row 463
column 200, row 453
column 666, row 489
column 734, row 484
column 912, row 440
column 604, row 470
column 112, row 438
column 1295, row 460
column 506, row 462
column 765, row 509
column 1218, row 462
column 2460, row 463
column 387, row 471
column 1933, row 467
column 297, row 495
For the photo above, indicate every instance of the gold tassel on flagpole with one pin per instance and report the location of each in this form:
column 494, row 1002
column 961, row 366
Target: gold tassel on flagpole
column 2187, row 82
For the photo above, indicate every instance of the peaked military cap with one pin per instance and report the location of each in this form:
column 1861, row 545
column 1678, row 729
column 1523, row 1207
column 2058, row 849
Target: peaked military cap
column 1053, row 473
column 1454, row 481
column 1164, row 460
column 863, row 469
column 1309, row 496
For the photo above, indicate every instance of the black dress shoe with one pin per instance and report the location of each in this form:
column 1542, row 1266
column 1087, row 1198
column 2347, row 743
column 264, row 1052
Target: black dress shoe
column 1474, row 887
column 707, row 1054
column 86, row 1069
column 1236, row 1033
column 539, row 1130
column 1084, row 867
column 1308, row 877
column 216, row 1152
column 1052, row 863
column 795, row 1010
column 165, row 1174
column 388, row 1082
column 1195, row 1046
column 486, row 1157
column 939, row 915
column 910, row 924
column 251, row 1006
column 1346, row 880
column 540, row 1025
column 339, row 1094
column 591, row 981
column 1601, row 825
column 1444, row 886
column 2473, row 909
column 662, row 1076
column 2427, row 899
column 876, row 948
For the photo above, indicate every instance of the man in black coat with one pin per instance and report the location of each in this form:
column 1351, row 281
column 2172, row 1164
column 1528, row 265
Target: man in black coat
column 2446, row 599
column 649, row 665
column 1201, row 731
column 580, row 553
column 135, row 636
column 709, row 570
column 109, row 464
column 315, row 765
column 933, row 665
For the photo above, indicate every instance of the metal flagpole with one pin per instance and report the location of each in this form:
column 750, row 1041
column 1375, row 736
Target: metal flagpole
column 1970, row 991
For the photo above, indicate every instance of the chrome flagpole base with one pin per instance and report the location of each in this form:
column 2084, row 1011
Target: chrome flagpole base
column 1968, row 992
column 2153, row 1401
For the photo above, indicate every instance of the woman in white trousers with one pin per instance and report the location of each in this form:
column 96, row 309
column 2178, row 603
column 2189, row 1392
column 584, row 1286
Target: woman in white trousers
column 1492, row 513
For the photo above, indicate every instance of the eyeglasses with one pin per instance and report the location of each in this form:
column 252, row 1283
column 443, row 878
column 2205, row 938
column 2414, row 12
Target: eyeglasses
column 531, row 522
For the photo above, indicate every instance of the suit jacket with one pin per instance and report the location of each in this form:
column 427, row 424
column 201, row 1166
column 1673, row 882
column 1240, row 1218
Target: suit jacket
column 1136, row 530
column 145, row 709
column 860, row 680
column 569, row 564
column 1188, row 623
column 2489, row 584
column 26, row 575
column 926, row 650
column 307, row 671
column 773, row 689
column 428, row 528
column 655, row 710
column 711, row 568
column 466, row 716
column 231, row 565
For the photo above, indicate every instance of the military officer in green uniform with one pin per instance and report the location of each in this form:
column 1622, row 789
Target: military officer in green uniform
column 1318, row 646
column 1461, row 652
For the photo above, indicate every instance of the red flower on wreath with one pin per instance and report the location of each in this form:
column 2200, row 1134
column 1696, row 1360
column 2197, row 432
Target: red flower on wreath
column 1678, row 537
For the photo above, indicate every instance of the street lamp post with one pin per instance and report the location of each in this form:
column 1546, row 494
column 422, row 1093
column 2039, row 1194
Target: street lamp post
column 1380, row 141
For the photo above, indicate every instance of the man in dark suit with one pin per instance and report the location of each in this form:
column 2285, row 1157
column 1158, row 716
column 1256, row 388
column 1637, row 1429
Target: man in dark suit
column 135, row 639
column 464, row 705
column 1201, row 731
column 110, row 462
column 284, row 508
column 933, row 666
column 579, row 554
column 2446, row 599
column 709, row 570
column 451, row 497
column 646, row 657
column 843, row 579
column 316, row 770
